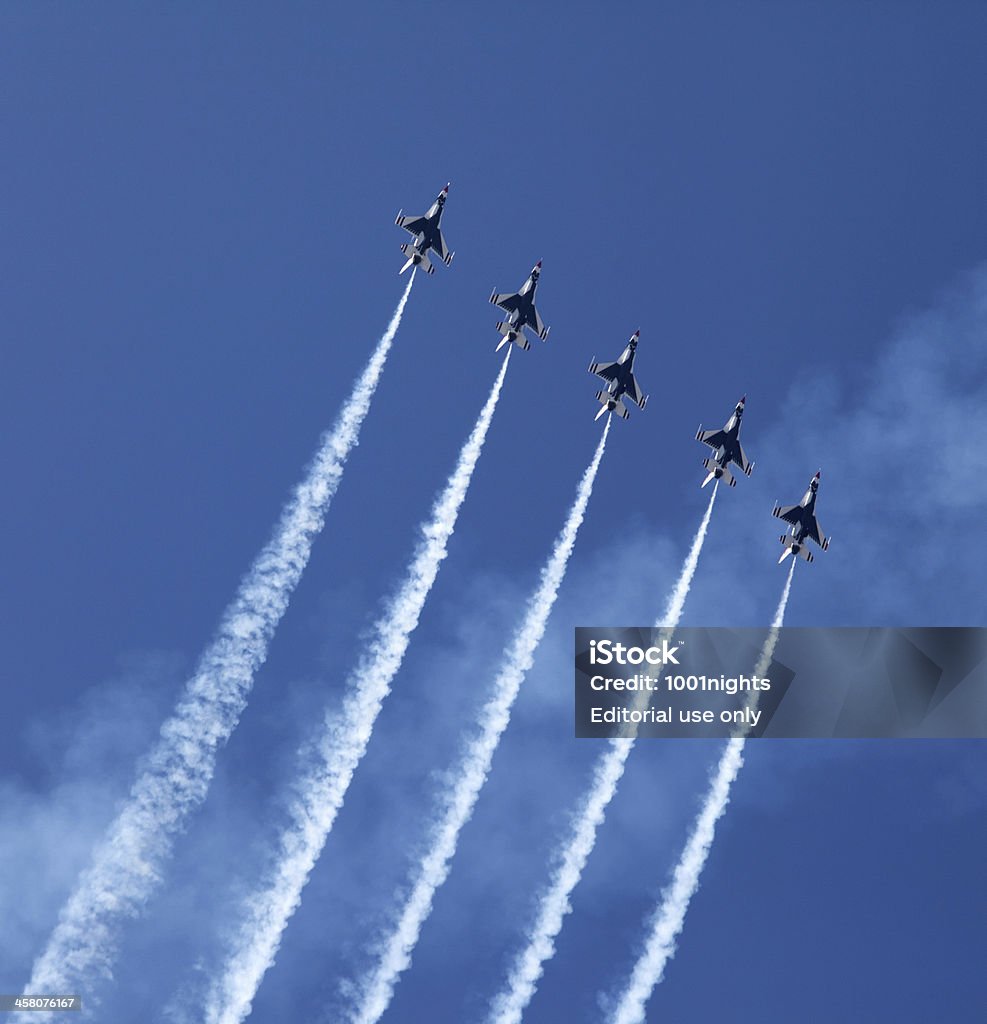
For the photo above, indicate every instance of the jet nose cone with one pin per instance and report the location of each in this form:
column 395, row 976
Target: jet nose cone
column 538, row 264
column 637, row 333
column 446, row 189
column 818, row 475
column 743, row 398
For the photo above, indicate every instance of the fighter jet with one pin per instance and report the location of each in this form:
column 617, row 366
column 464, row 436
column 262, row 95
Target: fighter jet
column 427, row 236
column 621, row 382
column 805, row 526
column 520, row 307
column 726, row 442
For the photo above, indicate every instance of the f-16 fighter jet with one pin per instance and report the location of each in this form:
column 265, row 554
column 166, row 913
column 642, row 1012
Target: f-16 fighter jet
column 521, row 311
column 726, row 442
column 621, row 382
column 427, row 236
column 805, row 526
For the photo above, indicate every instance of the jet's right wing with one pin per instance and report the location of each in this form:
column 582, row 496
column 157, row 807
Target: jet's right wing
column 414, row 225
column 608, row 371
column 789, row 513
column 507, row 301
column 714, row 438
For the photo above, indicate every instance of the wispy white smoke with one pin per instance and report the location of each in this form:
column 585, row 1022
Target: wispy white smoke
column 510, row 1003
column 322, row 789
column 394, row 956
column 126, row 865
column 670, row 914
column 676, row 600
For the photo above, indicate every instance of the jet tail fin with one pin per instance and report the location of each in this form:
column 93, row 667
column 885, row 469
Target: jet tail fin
column 718, row 472
column 510, row 334
column 416, row 259
column 609, row 404
column 791, row 548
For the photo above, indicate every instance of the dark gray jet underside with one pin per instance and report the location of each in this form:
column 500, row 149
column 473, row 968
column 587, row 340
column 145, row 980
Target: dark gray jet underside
column 428, row 236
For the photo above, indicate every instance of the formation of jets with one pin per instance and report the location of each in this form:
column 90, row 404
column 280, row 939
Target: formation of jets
column 619, row 375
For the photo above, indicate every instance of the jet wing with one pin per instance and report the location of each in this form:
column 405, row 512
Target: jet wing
column 714, row 438
column 442, row 249
column 741, row 459
column 814, row 532
column 508, row 301
column 634, row 392
column 414, row 225
column 791, row 514
column 538, row 325
column 608, row 371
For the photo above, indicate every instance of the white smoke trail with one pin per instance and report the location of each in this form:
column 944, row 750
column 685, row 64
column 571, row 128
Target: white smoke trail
column 670, row 915
column 377, row 989
column 676, row 600
column 322, row 789
column 509, row 1004
column 126, row 865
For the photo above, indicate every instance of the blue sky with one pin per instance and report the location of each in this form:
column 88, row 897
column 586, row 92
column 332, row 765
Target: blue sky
column 199, row 255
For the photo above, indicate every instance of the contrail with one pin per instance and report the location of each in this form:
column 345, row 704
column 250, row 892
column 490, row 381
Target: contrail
column 670, row 914
column 322, row 789
column 126, row 866
column 676, row 600
column 377, row 989
column 510, row 1003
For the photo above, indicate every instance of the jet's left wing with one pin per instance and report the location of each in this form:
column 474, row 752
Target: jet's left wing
column 741, row 459
column 538, row 325
column 442, row 249
column 635, row 394
column 815, row 532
